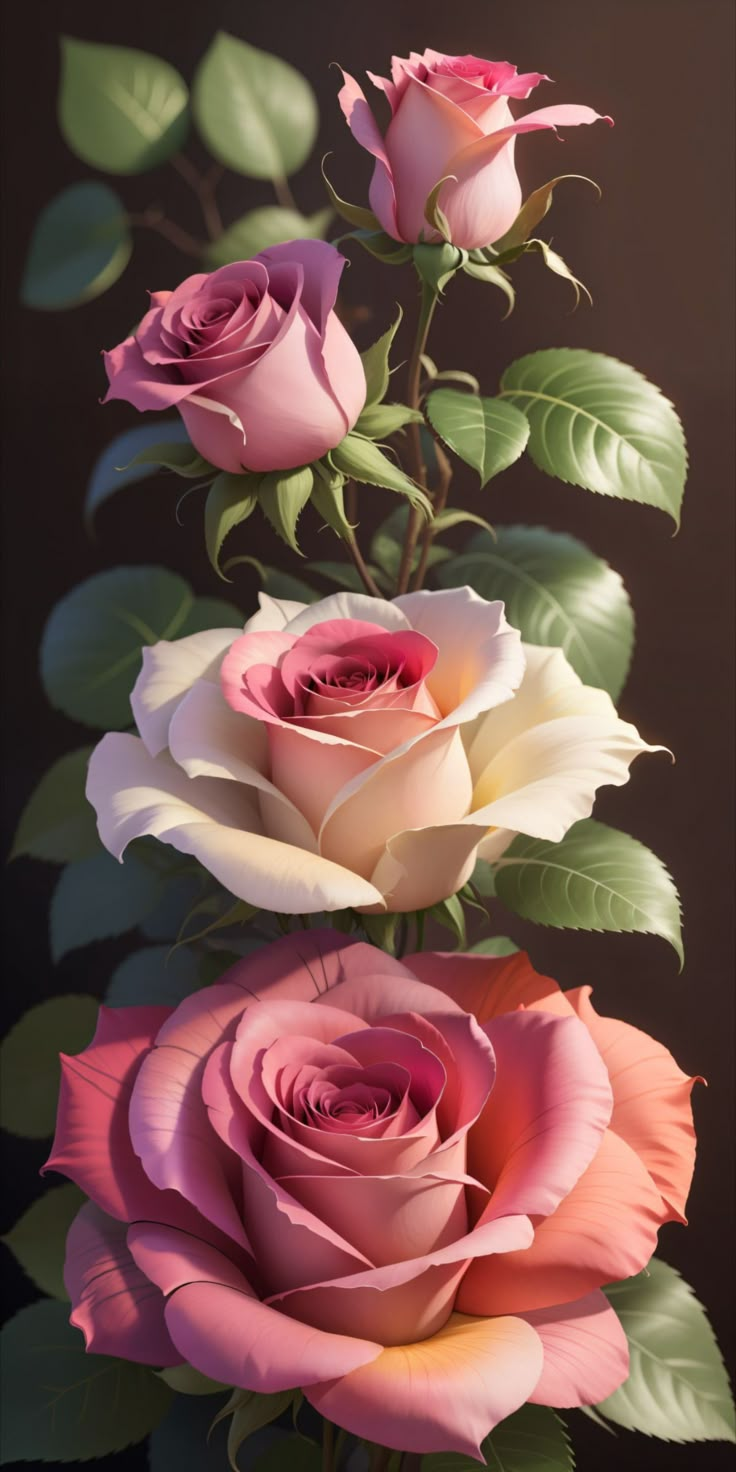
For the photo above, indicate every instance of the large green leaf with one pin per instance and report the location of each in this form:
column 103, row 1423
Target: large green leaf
column 257, row 114
column 29, row 1062
column 57, row 822
column 38, row 1239
column 595, row 878
column 158, row 976
column 64, row 1405
column 534, row 1438
column 557, row 592
column 97, row 898
column 81, row 244
column 481, row 431
column 677, row 1388
column 121, row 111
column 186, row 1440
column 256, row 231
column 113, row 469
column 91, row 645
column 598, row 423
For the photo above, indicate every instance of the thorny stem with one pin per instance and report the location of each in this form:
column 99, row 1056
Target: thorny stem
column 440, row 501
column 363, row 572
column 419, row 469
column 283, row 194
column 204, row 186
column 154, row 219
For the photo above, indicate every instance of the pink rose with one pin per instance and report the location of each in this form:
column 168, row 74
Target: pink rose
column 356, row 752
column 262, row 372
column 450, row 120
column 399, row 1187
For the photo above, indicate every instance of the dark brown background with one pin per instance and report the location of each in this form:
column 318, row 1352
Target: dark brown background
column 656, row 254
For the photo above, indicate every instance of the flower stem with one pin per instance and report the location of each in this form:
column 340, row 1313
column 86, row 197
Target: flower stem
column 363, row 572
column 283, row 194
column 204, row 186
column 418, row 467
column 440, row 501
column 154, row 219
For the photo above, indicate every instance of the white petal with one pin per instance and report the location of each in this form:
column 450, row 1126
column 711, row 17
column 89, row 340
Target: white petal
column 218, row 823
column 550, row 688
column 422, row 866
column 169, row 668
column 481, row 658
column 273, row 614
column 350, row 605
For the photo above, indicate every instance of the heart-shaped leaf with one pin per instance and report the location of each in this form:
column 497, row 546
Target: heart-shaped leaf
column 57, row 822
column 38, row 1239
column 677, row 1387
column 81, row 244
column 481, row 431
column 256, row 114
column 256, row 231
column 29, row 1062
column 98, row 897
column 599, row 424
column 532, row 1439
column 556, row 592
column 119, row 465
column 120, row 110
column 595, row 878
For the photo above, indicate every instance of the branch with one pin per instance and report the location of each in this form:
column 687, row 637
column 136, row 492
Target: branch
column 440, row 501
column 154, row 219
column 204, row 186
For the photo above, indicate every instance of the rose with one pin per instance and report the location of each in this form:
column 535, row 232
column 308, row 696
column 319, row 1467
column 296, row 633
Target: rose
column 399, row 1187
column 253, row 356
column 451, row 120
column 356, row 752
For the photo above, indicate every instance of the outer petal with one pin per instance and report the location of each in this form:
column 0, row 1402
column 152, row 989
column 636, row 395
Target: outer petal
column 273, row 613
column 323, row 267
column 488, row 986
column 365, row 131
column 222, row 1329
column 586, row 1355
column 442, row 1394
column 603, row 1231
column 169, row 670
column 481, row 659
column 546, row 1116
column 135, row 794
column 142, row 384
column 358, row 606
column 651, row 1101
column 118, row 1310
column 422, row 866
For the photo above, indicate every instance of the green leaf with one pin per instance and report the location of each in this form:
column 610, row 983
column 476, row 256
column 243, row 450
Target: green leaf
column 595, row 878
column 121, row 111
column 183, row 1442
column 677, row 1387
column 81, row 244
column 532, row 1439
column 29, row 1062
column 38, row 1239
column 437, row 264
column 185, row 1380
column 534, row 210
column 278, row 584
column 256, row 114
column 378, row 421
column 211, row 613
column 599, row 424
column 492, row 275
column 97, row 898
column 158, row 976
column 292, row 1452
column 450, row 914
column 480, row 431
column 64, row 1405
column 375, row 364
column 256, row 231
column 231, row 499
column 177, row 454
column 283, row 495
column 342, row 573
column 556, row 592
column 91, row 645
column 361, row 458
column 494, row 945
column 57, row 822
column 355, row 214
column 118, row 466
column 445, row 520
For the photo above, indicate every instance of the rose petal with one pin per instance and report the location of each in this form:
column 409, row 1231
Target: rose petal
column 169, row 670
column 481, row 659
column 118, row 1309
column 488, row 986
column 586, row 1354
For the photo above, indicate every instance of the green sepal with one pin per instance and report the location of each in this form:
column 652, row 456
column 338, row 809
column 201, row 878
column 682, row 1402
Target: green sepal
column 329, row 503
column 185, row 1380
column 380, row 420
column 492, row 275
column 375, row 364
column 450, row 914
column 283, row 495
column 534, row 210
column 181, row 458
column 238, row 913
column 360, row 458
column 251, row 1410
column 355, row 214
column 553, row 261
column 444, row 520
column 437, row 264
column 231, row 499
column 382, row 246
column 435, row 217
column 380, row 929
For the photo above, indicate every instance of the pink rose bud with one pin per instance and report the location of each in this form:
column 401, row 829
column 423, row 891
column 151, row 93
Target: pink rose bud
column 253, row 356
column 451, row 120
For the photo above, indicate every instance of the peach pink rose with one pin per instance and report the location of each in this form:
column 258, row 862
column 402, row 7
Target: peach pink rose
column 253, row 356
column 451, row 120
column 356, row 752
column 399, row 1187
